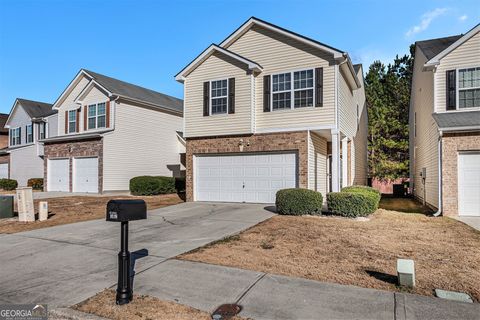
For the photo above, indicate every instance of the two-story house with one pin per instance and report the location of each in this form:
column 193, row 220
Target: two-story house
column 268, row 109
column 110, row 131
column 445, row 124
column 4, row 156
column 29, row 121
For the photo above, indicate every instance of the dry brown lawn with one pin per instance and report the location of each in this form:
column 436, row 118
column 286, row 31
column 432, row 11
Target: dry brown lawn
column 75, row 209
column 142, row 307
column 362, row 253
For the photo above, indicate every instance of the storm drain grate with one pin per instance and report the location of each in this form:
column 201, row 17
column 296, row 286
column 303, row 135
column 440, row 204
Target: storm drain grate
column 226, row 311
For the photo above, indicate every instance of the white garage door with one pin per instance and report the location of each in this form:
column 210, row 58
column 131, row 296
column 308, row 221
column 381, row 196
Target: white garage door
column 244, row 178
column 85, row 175
column 3, row 170
column 469, row 184
column 58, row 175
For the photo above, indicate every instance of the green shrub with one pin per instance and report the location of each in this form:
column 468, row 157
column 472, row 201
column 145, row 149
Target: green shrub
column 8, row 184
column 298, row 201
column 152, row 185
column 352, row 204
column 35, row 183
column 180, row 184
column 366, row 190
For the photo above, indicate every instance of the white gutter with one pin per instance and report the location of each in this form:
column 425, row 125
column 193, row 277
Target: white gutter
column 439, row 211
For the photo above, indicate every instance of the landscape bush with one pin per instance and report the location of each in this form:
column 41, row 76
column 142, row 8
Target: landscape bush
column 297, row 201
column 365, row 190
column 153, row 185
column 352, row 204
column 8, row 184
column 35, row 183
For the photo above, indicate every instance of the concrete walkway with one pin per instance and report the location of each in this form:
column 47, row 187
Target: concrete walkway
column 66, row 264
column 267, row 296
column 473, row 222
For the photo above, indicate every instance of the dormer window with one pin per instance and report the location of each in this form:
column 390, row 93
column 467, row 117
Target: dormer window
column 469, row 88
column 72, row 121
column 29, row 133
column 219, row 94
column 96, row 116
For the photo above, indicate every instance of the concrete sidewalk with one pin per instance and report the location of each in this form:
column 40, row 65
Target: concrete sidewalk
column 267, row 296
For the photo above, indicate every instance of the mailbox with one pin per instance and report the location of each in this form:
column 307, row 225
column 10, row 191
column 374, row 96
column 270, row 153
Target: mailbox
column 126, row 210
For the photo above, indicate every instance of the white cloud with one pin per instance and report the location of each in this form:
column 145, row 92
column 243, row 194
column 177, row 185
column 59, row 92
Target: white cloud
column 427, row 18
column 463, row 18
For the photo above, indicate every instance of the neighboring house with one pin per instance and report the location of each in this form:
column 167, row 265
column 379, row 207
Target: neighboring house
column 4, row 156
column 110, row 131
column 445, row 124
column 29, row 121
column 268, row 109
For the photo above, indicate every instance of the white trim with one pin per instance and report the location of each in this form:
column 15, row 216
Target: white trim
column 95, row 117
column 312, row 128
column 90, row 85
column 194, row 178
column 206, row 54
column 26, row 133
column 436, row 60
column 466, row 128
column 184, row 105
column 292, row 89
column 457, row 89
column 68, row 121
column 252, row 103
column 210, row 113
column 67, row 90
column 244, row 28
column 337, row 125
column 10, row 139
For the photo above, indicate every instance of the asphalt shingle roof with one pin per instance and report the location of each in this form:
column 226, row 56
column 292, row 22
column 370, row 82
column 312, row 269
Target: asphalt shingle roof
column 457, row 119
column 3, row 120
column 357, row 67
column 133, row 91
column 36, row 109
column 432, row 47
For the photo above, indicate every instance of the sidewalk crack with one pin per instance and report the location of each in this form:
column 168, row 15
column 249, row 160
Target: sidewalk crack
column 250, row 288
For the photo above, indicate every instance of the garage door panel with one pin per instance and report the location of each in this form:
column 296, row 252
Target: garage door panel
column 244, row 178
column 85, row 175
column 469, row 184
column 58, row 178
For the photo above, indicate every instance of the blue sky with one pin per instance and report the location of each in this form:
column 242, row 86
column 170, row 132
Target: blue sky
column 43, row 44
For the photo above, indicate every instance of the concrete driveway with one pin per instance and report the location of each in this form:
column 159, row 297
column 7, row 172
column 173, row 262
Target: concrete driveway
column 64, row 265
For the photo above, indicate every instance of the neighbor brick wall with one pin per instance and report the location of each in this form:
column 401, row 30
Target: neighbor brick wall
column 72, row 149
column 453, row 143
column 288, row 141
column 3, row 141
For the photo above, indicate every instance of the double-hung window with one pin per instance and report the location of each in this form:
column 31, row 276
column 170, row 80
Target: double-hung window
column 29, row 133
column 469, row 88
column 96, row 116
column 219, row 96
column 15, row 137
column 72, row 121
column 288, row 96
column 41, row 130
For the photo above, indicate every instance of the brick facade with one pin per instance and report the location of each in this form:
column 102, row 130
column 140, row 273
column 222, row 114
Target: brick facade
column 73, row 149
column 452, row 144
column 288, row 141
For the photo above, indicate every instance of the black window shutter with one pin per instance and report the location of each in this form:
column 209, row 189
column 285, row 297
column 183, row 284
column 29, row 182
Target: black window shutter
column 206, row 99
column 11, row 136
column 231, row 95
column 451, row 89
column 318, row 87
column 20, row 135
column 266, row 94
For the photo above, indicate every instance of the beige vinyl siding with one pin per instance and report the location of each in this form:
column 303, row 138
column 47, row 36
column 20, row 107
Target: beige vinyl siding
column 360, row 140
column 425, row 144
column 317, row 164
column 347, row 107
column 465, row 56
column 144, row 142
column 216, row 67
column 52, row 126
column 25, row 164
column 277, row 53
column 68, row 103
column 20, row 118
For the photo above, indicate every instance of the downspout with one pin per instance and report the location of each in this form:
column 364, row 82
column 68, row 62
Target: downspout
column 439, row 211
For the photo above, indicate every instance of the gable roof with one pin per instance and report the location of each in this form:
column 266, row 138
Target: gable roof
column 36, row 109
column 3, row 121
column 432, row 47
column 207, row 53
column 435, row 60
column 465, row 120
column 132, row 91
column 357, row 67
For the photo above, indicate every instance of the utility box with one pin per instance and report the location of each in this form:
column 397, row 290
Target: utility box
column 126, row 210
column 26, row 211
column 6, row 207
column 406, row 272
column 43, row 210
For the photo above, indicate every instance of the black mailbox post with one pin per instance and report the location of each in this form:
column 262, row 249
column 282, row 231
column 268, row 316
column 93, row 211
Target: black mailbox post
column 124, row 211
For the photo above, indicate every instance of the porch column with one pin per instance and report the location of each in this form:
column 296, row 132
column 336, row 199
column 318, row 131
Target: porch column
column 344, row 162
column 335, row 161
